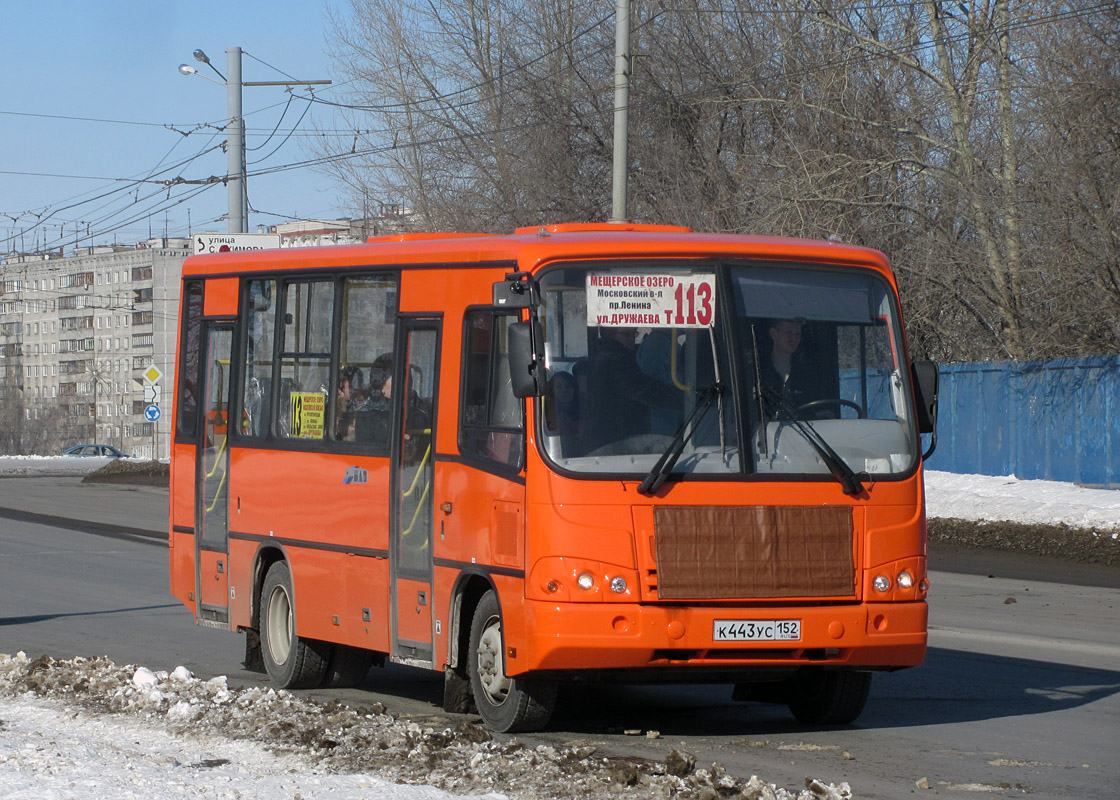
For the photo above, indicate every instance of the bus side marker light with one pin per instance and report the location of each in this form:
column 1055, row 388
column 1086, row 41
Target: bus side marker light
column 923, row 586
column 552, row 586
column 904, row 580
column 585, row 580
column 618, row 584
column 881, row 583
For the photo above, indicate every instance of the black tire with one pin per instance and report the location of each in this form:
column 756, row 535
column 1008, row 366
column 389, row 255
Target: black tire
column 347, row 667
column 506, row 705
column 291, row 662
column 828, row 697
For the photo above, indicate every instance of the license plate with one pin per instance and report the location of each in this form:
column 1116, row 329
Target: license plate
column 756, row 630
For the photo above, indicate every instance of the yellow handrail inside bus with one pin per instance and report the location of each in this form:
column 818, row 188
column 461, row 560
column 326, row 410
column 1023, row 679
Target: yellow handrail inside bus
column 217, row 494
column 416, row 513
column 222, row 482
column 420, row 466
column 218, row 458
column 684, row 387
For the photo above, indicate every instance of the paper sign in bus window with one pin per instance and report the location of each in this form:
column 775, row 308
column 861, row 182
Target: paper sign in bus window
column 650, row 300
column 308, row 415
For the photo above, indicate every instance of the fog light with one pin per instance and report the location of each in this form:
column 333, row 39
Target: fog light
column 618, row 584
column 881, row 583
column 585, row 580
column 904, row 580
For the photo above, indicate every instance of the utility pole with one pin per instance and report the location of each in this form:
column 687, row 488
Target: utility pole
column 238, row 195
column 621, row 108
column 235, row 156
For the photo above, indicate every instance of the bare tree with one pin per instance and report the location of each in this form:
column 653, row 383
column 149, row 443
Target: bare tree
column 975, row 142
column 480, row 111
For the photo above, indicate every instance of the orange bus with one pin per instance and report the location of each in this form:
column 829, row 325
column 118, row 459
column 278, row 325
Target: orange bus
column 607, row 452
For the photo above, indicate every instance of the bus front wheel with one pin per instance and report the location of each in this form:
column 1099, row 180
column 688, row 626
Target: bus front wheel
column 828, row 697
column 291, row 662
column 506, row 705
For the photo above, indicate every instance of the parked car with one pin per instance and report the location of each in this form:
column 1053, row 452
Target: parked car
column 100, row 450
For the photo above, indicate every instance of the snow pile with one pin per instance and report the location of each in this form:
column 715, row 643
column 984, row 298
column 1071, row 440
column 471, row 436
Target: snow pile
column 1008, row 499
column 257, row 742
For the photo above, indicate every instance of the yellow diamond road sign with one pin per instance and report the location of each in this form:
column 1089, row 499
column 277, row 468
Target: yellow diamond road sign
column 152, row 374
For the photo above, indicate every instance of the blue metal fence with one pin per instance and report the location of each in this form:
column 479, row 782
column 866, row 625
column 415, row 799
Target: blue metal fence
column 1055, row 420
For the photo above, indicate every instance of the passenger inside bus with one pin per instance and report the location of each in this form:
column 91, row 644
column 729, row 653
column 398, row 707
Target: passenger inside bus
column 785, row 370
column 351, row 394
column 371, row 409
column 622, row 397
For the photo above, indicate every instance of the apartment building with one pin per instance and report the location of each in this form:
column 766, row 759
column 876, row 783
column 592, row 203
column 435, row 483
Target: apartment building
column 78, row 335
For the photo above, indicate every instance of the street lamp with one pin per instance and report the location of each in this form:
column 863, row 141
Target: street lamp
column 187, row 69
column 205, row 59
column 235, row 164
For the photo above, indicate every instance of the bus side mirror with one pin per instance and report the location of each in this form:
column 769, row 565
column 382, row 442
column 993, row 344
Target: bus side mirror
column 514, row 292
column 526, row 369
column 924, row 375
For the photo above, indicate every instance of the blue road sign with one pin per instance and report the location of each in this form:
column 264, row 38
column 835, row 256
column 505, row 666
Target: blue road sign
column 151, row 413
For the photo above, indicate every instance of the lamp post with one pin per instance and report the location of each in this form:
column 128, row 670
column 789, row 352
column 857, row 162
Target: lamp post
column 238, row 212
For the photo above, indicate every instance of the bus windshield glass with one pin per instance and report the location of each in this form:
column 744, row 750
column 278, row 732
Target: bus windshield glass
column 739, row 369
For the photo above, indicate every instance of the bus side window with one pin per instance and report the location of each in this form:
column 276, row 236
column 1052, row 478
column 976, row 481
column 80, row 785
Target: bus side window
column 491, row 420
column 260, row 342
column 187, row 402
column 305, row 355
column 360, row 404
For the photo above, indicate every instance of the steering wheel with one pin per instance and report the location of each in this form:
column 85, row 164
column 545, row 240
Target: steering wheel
column 834, row 401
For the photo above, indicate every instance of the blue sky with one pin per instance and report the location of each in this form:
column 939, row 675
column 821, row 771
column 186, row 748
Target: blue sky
column 118, row 60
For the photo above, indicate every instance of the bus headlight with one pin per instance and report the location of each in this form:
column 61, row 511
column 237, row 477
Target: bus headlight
column 560, row 579
column 904, row 580
column 881, row 583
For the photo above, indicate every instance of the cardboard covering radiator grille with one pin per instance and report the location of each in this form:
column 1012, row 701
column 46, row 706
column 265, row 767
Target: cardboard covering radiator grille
column 710, row 552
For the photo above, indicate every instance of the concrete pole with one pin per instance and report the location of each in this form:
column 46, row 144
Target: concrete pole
column 621, row 108
column 235, row 157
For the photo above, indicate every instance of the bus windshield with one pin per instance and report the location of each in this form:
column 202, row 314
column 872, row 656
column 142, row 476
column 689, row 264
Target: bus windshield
column 734, row 368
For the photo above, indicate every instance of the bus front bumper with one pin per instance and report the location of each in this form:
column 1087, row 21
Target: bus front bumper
column 604, row 636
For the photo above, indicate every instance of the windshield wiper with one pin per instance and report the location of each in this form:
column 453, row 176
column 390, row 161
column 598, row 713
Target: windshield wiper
column 837, row 466
column 672, row 454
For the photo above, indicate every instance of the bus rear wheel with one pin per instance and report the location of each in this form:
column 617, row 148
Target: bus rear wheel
column 828, row 697
column 291, row 662
column 347, row 667
column 506, row 705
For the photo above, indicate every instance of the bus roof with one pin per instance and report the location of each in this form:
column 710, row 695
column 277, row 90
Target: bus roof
column 532, row 247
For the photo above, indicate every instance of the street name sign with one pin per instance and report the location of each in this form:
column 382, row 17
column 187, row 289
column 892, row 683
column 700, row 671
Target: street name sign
column 234, row 242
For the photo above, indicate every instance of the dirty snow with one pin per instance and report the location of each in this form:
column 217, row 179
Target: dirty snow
column 85, row 729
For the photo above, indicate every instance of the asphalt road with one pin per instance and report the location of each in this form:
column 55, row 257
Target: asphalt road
column 1020, row 692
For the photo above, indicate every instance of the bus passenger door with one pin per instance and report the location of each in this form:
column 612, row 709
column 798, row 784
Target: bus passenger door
column 212, row 478
column 413, row 456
